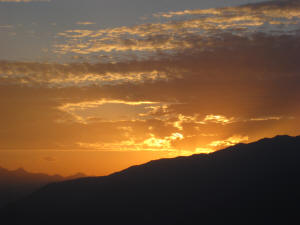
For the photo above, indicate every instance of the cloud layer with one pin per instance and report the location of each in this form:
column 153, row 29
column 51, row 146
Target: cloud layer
column 197, row 28
column 197, row 81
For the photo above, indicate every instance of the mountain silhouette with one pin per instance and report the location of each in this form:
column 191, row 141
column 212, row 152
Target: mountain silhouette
column 256, row 183
column 16, row 184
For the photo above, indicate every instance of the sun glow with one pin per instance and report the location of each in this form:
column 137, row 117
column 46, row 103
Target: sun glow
column 229, row 141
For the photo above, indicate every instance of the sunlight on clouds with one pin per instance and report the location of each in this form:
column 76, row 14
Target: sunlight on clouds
column 162, row 143
column 203, row 150
column 266, row 118
column 159, row 110
column 172, row 35
column 94, row 104
column 65, row 75
column 184, row 119
column 267, row 11
column 189, row 153
column 218, row 119
column 106, row 109
column 207, row 119
column 229, row 141
column 150, row 144
column 76, row 33
column 189, row 12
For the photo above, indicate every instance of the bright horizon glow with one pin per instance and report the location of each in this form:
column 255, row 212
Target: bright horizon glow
column 98, row 86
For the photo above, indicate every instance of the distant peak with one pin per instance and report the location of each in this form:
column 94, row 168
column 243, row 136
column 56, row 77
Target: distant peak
column 20, row 170
column 77, row 175
column 80, row 174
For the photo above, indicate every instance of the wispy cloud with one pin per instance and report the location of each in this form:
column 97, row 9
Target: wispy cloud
column 85, row 23
column 85, row 112
column 200, row 28
column 265, row 11
column 6, row 26
column 83, row 74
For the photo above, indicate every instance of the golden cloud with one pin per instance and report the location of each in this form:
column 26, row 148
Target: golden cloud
column 174, row 35
column 80, row 111
column 229, row 141
column 152, row 143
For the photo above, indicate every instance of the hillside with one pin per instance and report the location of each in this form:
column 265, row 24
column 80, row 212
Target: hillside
column 256, row 183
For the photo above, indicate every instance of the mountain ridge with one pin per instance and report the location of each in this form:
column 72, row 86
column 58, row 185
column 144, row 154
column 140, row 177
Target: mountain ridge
column 258, row 181
column 16, row 184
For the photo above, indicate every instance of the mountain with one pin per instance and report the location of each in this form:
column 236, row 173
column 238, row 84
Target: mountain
column 18, row 183
column 256, row 183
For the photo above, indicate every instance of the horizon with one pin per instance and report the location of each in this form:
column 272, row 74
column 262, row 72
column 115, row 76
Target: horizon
column 87, row 175
column 95, row 87
column 247, row 182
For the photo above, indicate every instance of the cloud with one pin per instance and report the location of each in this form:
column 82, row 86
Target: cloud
column 211, row 80
column 255, row 59
column 218, row 119
column 229, row 141
column 85, row 23
column 151, row 143
column 107, row 110
column 266, row 118
column 265, row 65
column 199, row 27
column 81, row 74
column 32, row 116
column 268, row 10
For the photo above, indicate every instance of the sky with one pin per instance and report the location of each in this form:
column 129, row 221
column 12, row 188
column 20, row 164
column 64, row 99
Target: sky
column 96, row 86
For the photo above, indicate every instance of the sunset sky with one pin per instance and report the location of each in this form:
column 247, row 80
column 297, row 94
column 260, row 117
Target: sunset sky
column 96, row 86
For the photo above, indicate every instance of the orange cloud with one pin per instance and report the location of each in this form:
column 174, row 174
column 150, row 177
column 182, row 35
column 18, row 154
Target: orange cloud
column 152, row 143
column 79, row 110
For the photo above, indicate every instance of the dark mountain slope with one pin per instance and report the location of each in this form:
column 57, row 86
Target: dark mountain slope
column 18, row 183
column 255, row 183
